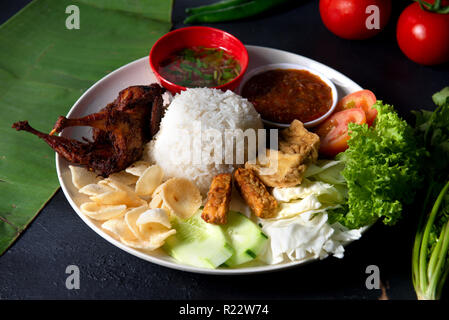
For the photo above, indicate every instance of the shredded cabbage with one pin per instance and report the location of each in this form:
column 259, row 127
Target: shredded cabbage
column 301, row 230
column 305, row 236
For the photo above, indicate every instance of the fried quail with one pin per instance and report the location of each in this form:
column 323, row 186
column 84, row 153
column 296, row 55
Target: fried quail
column 119, row 132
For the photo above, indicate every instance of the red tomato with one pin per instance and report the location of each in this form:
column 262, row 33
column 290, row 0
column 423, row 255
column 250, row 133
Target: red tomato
column 423, row 36
column 363, row 99
column 348, row 18
column 334, row 131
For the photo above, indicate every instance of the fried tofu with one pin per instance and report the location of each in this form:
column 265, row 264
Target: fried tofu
column 255, row 194
column 298, row 148
column 279, row 169
column 298, row 140
column 218, row 198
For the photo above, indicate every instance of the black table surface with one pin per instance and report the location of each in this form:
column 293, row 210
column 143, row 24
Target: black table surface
column 34, row 267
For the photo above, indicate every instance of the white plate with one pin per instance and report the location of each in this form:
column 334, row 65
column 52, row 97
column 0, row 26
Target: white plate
column 139, row 73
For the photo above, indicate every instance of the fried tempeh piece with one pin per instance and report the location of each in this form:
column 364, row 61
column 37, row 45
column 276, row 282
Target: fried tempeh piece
column 255, row 194
column 218, row 198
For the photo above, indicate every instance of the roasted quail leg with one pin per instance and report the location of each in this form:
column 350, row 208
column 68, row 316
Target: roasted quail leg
column 72, row 150
column 119, row 131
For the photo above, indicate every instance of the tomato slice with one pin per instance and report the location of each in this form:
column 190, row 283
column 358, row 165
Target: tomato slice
column 361, row 99
column 333, row 132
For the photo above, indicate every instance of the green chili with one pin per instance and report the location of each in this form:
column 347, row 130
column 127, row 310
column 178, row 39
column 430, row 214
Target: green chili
column 215, row 6
column 244, row 10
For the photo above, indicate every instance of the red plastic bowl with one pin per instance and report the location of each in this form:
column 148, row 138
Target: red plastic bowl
column 197, row 36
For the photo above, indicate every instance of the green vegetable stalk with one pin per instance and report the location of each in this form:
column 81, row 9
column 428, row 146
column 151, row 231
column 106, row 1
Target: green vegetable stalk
column 437, row 6
column 430, row 263
column 430, row 257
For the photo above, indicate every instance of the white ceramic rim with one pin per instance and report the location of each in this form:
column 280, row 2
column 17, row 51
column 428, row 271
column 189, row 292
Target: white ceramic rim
column 168, row 262
column 275, row 66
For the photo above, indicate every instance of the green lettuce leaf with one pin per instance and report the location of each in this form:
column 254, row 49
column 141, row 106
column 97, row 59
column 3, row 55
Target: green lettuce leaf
column 381, row 170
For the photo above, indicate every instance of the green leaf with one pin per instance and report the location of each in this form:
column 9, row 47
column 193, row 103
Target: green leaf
column 44, row 69
column 441, row 97
column 381, row 170
column 432, row 128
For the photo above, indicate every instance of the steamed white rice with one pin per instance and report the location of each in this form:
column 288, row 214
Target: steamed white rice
column 191, row 116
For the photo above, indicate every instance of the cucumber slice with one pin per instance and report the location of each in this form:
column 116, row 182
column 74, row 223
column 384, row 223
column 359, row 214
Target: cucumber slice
column 246, row 238
column 198, row 243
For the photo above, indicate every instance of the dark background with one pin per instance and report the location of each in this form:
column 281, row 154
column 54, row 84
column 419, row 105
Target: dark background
column 34, row 267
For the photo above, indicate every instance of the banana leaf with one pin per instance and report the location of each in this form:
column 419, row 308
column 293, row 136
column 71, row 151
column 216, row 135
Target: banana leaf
column 44, row 68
